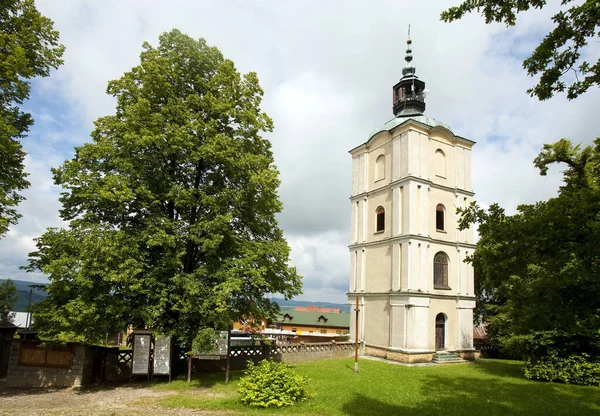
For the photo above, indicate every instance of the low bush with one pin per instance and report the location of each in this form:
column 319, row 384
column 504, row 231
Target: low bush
column 272, row 384
column 576, row 369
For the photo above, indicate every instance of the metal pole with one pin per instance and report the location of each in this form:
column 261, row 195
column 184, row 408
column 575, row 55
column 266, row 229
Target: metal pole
column 28, row 318
column 356, row 339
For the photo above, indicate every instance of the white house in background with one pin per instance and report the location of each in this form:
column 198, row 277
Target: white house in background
column 415, row 291
column 21, row 319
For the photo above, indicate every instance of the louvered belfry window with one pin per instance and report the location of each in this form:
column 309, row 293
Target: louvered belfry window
column 440, row 270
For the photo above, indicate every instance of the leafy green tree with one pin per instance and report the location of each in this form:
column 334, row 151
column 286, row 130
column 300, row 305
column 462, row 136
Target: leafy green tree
column 28, row 48
column 536, row 272
column 560, row 52
column 8, row 296
column 171, row 206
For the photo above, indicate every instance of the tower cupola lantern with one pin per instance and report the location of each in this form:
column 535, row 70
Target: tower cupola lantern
column 409, row 92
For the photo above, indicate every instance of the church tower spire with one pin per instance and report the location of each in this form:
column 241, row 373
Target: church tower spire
column 409, row 92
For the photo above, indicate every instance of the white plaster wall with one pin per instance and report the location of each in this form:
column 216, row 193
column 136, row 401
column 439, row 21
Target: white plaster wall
column 418, row 328
column 468, row 173
column 353, row 222
column 407, row 214
column 363, row 272
column 426, row 284
column 360, row 270
column 360, row 218
column 465, row 325
column 460, row 167
column 425, row 210
column 355, row 174
column 396, row 267
column 378, row 266
column 411, row 205
column 353, row 273
column 362, row 173
column 404, row 155
column 398, row 326
column 376, row 314
column 396, row 158
column 413, row 153
column 405, row 266
column 424, row 156
column 397, row 203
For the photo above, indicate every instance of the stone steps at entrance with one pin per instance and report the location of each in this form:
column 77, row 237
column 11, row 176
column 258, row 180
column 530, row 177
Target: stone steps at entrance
column 444, row 357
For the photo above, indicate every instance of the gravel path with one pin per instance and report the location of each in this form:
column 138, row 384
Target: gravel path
column 123, row 400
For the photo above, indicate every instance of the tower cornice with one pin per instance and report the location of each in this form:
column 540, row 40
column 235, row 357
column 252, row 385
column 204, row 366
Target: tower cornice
column 426, row 123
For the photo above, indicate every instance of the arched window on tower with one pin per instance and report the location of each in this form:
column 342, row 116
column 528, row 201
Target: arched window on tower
column 440, row 213
column 440, row 271
column 439, row 161
column 380, row 219
column 380, row 168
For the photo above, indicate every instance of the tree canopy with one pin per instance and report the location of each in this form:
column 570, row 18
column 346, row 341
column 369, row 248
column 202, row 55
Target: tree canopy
column 28, row 48
column 171, row 206
column 8, row 296
column 536, row 272
column 558, row 58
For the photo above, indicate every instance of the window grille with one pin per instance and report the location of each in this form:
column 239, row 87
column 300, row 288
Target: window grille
column 440, row 270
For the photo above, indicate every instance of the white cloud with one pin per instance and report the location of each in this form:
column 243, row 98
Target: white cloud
column 327, row 69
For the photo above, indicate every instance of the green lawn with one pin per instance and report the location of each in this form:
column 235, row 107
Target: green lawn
column 489, row 387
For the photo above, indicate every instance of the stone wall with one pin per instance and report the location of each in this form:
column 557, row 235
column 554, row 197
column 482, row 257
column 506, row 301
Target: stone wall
column 470, row 355
column 410, row 358
column 290, row 354
column 42, row 376
column 402, row 357
column 299, row 353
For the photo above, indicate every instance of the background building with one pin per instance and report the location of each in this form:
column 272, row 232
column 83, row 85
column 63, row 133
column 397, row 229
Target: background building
column 415, row 291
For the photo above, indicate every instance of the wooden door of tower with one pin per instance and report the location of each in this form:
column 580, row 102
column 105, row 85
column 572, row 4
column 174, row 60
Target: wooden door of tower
column 440, row 332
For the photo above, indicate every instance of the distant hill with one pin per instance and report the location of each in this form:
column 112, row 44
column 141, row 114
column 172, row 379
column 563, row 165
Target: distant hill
column 23, row 288
column 287, row 305
column 37, row 295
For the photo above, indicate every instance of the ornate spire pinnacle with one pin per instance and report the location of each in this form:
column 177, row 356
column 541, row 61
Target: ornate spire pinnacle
column 408, row 69
column 409, row 92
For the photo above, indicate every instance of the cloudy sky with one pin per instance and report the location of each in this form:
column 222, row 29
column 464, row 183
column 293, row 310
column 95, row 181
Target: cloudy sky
column 327, row 68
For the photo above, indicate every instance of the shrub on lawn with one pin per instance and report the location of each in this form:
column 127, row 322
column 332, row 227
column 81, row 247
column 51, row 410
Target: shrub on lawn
column 272, row 384
column 576, row 369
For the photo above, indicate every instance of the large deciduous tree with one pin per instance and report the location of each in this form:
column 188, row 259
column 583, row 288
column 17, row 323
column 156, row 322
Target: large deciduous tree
column 537, row 271
column 171, row 206
column 558, row 58
column 8, row 296
column 28, row 48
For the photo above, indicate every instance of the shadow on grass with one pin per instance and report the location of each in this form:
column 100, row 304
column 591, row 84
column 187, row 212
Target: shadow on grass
column 9, row 391
column 501, row 368
column 6, row 391
column 471, row 396
column 199, row 381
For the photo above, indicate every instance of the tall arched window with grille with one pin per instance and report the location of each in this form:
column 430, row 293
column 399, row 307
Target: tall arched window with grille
column 380, row 219
column 440, row 271
column 440, row 213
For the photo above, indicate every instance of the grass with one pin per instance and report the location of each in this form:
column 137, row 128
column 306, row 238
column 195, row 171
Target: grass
column 489, row 387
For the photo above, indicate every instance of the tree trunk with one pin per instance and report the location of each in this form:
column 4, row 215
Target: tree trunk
column 189, row 375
